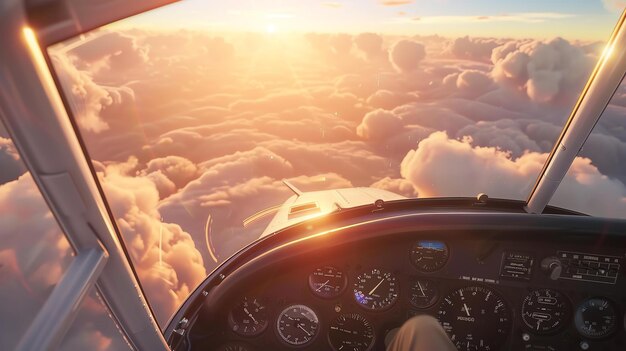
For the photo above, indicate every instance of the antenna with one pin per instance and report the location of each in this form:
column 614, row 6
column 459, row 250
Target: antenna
column 292, row 187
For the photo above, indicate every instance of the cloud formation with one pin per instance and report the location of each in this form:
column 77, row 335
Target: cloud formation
column 546, row 71
column 438, row 166
column 405, row 55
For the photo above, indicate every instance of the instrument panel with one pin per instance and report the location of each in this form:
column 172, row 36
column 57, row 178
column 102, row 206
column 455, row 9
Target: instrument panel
column 488, row 294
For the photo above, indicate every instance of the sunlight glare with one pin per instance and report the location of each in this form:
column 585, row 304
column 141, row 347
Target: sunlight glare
column 271, row 28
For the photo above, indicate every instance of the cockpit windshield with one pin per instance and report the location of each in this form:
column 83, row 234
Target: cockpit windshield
column 203, row 117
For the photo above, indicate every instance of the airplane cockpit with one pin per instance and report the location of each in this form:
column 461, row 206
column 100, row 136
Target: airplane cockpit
column 312, row 175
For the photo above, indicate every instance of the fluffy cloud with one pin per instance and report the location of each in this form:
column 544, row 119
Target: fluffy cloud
column 405, row 55
column 441, row 166
column 10, row 165
column 165, row 257
column 371, row 44
column 473, row 48
column 111, row 50
column 88, row 99
column 473, row 82
column 178, row 169
column 379, row 125
column 546, row 71
column 398, row 186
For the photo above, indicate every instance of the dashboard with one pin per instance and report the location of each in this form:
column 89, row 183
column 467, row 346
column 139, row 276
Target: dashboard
column 492, row 286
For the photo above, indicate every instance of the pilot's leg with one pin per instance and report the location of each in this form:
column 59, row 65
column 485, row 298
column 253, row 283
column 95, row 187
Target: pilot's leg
column 421, row 333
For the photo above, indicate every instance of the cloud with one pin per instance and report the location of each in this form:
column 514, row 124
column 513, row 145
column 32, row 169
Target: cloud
column 88, row 99
column 614, row 5
column 164, row 256
column 387, row 99
column 473, row 82
column 110, row 50
column 405, row 55
column 371, row 44
column 548, row 72
column 397, row 186
column 332, row 5
column 379, row 125
column 11, row 166
column 439, row 164
column 178, row 169
column 473, row 48
column 395, row 2
column 523, row 17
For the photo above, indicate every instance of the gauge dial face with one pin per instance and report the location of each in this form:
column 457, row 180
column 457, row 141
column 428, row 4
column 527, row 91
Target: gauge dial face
column 595, row 318
column 376, row 290
column 327, row 282
column 249, row 317
column 424, row 293
column 545, row 311
column 475, row 318
column 234, row 346
column 297, row 325
column 429, row 256
column 351, row 332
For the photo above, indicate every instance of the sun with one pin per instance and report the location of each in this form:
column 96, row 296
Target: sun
column 271, row 28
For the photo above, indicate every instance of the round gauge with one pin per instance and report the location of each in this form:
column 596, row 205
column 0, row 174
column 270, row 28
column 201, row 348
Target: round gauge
column 327, row 282
column 595, row 318
column 376, row 290
column 545, row 311
column 429, row 256
column 234, row 346
column 249, row 317
column 475, row 318
column 351, row 332
column 424, row 293
column 297, row 325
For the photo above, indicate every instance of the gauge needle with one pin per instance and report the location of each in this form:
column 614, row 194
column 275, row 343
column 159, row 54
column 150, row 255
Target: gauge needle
column 304, row 330
column 466, row 309
column 250, row 315
column 376, row 287
column 323, row 285
column 421, row 289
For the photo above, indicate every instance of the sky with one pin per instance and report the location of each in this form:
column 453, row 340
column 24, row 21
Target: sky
column 570, row 19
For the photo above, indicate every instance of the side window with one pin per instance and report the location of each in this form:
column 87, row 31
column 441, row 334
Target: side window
column 595, row 183
column 34, row 255
column 93, row 329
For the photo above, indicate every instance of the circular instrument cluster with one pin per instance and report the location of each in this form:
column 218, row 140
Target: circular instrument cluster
column 297, row 325
column 429, row 256
column 475, row 318
column 424, row 293
column 376, row 290
column 327, row 282
column 351, row 332
column 596, row 318
column 545, row 311
column 249, row 317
